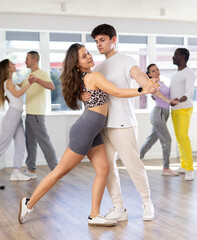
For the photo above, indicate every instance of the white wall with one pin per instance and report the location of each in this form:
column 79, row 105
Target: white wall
column 86, row 24
column 58, row 127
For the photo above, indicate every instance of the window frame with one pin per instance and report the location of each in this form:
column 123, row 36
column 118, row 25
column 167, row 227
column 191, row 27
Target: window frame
column 151, row 54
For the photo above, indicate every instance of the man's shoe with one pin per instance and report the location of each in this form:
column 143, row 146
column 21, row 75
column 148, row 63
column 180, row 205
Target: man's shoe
column 181, row 170
column 116, row 215
column 189, row 175
column 149, row 213
column 23, row 211
column 169, row 172
column 101, row 221
column 19, row 176
column 30, row 174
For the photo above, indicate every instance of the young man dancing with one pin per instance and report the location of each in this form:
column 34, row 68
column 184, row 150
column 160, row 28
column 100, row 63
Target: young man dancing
column 120, row 134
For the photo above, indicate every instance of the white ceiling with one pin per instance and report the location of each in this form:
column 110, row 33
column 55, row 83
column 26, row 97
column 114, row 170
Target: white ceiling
column 181, row 10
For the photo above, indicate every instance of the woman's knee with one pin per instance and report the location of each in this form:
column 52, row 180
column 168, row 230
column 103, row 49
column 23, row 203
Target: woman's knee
column 103, row 170
column 59, row 173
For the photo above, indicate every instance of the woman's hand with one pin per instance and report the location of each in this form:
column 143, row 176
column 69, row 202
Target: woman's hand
column 32, row 79
column 174, row 102
column 7, row 99
column 152, row 86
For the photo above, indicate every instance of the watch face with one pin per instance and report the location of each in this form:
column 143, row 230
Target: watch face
column 140, row 89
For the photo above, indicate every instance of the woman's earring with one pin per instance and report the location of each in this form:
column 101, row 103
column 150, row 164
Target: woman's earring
column 77, row 69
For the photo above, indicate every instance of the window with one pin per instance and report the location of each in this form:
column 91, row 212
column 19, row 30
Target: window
column 17, row 46
column 136, row 47
column 59, row 43
column 192, row 47
column 53, row 46
column 129, row 43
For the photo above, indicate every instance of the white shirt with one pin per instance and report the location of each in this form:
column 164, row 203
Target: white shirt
column 116, row 69
column 14, row 102
column 182, row 84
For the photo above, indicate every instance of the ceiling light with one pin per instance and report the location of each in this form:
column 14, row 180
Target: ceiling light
column 162, row 12
column 63, row 6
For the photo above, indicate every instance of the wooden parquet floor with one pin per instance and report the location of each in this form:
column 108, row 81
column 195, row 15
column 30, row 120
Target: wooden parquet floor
column 62, row 213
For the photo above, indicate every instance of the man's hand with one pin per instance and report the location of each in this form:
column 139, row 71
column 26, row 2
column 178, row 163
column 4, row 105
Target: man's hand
column 85, row 96
column 174, row 102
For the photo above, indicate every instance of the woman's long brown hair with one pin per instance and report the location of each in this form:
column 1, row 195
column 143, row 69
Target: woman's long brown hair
column 70, row 77
column 4, row 75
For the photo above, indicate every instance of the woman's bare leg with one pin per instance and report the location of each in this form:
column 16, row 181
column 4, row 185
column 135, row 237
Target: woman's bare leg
column 69, row 160
column 98, row 158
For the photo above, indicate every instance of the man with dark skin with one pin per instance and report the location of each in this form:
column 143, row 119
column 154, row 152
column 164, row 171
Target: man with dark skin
column 184, row 78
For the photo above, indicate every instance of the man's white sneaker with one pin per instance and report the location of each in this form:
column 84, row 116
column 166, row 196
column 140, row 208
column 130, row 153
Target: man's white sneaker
column 116, row 215
column 189, row 175
column 101, row 221
column 30, row 174
column 19, row 176
column 149, row 213
column 23, row 211
column 180, row 170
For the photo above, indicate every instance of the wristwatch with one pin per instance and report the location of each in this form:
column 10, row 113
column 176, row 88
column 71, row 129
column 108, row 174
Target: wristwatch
column 140, row 89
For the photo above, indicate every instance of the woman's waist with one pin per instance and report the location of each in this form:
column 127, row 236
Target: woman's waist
column 162, row 105
column 16, row 104
column 94, row 116
column 102, row 109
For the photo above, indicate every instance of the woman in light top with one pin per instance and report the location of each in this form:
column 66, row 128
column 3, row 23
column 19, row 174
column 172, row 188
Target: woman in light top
column 12, row 125
column 158, row 118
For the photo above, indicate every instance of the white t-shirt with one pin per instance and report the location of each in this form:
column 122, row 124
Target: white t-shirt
column 182, row 84
column 116, row 69
column 14, row 102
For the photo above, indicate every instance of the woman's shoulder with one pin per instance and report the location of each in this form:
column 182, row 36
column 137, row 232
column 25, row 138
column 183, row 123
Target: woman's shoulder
column 96, row 74
column 93, row 75
column 8, row 82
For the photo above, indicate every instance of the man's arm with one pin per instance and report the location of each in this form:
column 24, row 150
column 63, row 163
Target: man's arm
column 141, row 78
column 182, row 99
column 47, row 85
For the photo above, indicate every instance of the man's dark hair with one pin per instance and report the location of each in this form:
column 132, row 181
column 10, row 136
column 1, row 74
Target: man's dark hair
column 35, row 55
column 104, row 29
column 185, row 52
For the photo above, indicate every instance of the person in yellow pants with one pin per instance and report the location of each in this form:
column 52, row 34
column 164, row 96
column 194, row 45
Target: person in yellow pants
column 181, row 122
column 181, row 89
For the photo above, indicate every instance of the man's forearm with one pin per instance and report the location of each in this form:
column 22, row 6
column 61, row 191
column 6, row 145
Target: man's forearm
column 140, row 77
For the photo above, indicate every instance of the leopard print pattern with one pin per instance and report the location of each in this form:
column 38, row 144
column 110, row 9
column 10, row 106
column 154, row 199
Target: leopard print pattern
column 98, row 97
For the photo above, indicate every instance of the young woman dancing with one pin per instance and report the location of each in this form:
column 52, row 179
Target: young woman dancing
column 12, row 124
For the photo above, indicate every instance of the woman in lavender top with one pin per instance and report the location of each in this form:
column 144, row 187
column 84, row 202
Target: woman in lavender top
column 158, row 118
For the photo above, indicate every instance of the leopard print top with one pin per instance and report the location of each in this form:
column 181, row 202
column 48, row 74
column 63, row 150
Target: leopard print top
column 98, row 97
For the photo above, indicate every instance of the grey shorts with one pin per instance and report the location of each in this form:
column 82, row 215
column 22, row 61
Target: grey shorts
column 85, row 132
